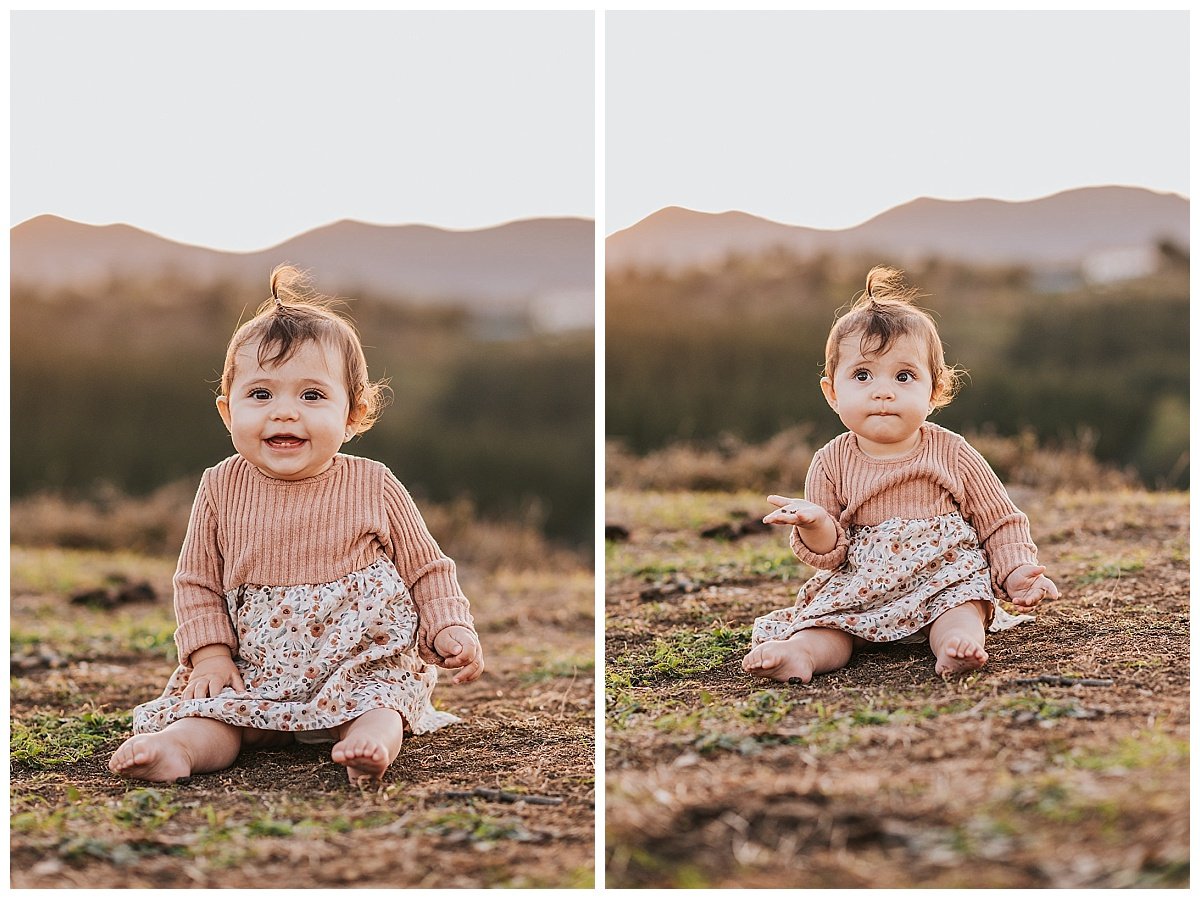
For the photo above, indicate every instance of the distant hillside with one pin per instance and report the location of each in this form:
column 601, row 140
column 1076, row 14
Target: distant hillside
column 1068, row 229
column 543, row 266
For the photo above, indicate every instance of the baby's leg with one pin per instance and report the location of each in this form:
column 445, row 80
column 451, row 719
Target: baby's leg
column 956, row 638
column 814, row 650
column 369, row 743
column 185, row 747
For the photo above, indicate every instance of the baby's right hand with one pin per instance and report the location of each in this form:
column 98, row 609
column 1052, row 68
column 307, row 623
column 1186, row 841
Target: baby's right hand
column 798, row 512
column 211, row 673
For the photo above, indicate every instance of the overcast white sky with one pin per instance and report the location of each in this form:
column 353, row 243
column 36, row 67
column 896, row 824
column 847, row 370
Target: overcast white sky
column 827, row 119
column 240, row 130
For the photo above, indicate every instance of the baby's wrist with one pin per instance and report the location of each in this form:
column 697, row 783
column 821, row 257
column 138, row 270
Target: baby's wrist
column 449, row 631
column 212, row 651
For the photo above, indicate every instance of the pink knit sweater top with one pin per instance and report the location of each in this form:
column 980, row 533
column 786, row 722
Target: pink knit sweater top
column 942, row 475
column 250, row 529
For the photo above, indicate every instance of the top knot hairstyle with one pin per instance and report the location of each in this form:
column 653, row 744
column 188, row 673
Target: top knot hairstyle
column 295, row 314
column 883, row 313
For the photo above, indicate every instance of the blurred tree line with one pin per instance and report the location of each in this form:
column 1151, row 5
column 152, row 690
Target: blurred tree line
column 115, row 387
column 737, row 349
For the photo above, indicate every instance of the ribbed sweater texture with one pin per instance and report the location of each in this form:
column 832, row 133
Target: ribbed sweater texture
column 943, row 474
column 250, row 529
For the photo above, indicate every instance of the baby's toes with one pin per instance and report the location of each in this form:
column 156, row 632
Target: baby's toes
column 761, row 658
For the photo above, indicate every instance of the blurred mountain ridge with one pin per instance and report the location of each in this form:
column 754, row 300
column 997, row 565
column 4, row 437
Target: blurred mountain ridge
column 1108, row 229
column 541, row 267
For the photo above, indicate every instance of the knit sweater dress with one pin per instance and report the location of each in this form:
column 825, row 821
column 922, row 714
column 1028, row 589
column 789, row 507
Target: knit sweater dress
column 328, row 591
column 916, row 535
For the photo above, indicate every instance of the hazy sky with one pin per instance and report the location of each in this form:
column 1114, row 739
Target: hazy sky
column 241, row 130
column 827, row 119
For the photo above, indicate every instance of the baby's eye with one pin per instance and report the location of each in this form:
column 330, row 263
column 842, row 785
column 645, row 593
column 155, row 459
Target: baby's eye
column 312, row 395
column 905, row 376
column 260, row 393
column 861, row 375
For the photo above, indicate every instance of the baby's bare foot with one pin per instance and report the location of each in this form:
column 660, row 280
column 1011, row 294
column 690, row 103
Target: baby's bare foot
column 364, row 756
column 153, row 757
column 959, row 655
column 779, row 660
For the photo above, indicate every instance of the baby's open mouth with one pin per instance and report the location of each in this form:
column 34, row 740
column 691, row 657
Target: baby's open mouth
column 284, row 441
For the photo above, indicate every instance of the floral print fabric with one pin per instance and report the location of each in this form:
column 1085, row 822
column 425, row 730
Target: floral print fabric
column 898, row 577
column 314, row 656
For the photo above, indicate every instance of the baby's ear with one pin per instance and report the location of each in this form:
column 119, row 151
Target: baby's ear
column 830, row 395
column 357, row 414
column 223, row 408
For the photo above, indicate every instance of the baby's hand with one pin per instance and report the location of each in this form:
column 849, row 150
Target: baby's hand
column 1028, row 585
column 212, row 671
column 460, row 648
column 798, row 512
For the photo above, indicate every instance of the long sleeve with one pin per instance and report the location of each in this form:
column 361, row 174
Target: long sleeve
column 427, row 572
column 200, row 610
column 819, row 488
column 1002, row 528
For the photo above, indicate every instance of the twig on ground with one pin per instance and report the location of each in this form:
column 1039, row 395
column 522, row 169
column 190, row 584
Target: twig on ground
column 1060, row 680
column 503, row 796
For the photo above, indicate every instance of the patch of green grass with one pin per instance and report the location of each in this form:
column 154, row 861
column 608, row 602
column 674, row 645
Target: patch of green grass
column 64, row 571
column 710, row 742
column 559, row 667
column 1140, row 751
column 643, row 868
column 1040, row 707
column 685, row 654
column 475, row 827
column 46, row 741
column 146, row 808
column 1112, row 571
column 126, row 852
column 768, row 706
column 710, row 561
column 269, row 827
column 680, row 510
column 87, row 633
column 1059, row 801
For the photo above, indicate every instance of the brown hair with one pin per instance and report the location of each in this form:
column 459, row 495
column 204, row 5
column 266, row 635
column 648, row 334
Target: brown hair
column 885, row 312
column 294, row 315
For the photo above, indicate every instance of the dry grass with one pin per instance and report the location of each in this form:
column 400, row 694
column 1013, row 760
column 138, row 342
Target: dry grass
column 288, row 818
column 781, row 463
column 730, row 464
column 155, row 525
column 881, row 774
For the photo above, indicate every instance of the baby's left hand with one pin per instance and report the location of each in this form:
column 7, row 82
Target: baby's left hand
column 1028, row 585
column 460, row 648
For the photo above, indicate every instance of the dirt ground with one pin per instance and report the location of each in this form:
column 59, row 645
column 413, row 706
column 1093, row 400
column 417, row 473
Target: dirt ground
column 1062, row 763
column 504, row 799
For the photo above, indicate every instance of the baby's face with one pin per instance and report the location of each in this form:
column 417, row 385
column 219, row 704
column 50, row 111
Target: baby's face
column 882, row 398
column 289, row 420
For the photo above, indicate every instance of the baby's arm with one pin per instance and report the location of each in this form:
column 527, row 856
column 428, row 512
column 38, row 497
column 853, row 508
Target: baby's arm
column 1003, row 532
column 460, row 648
column 428, row 572
column 200, row 610
column 816, row 526
column 817, row 538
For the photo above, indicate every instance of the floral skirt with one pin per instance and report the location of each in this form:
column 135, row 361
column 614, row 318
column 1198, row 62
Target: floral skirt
column 315, row 656
column 898, row 577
